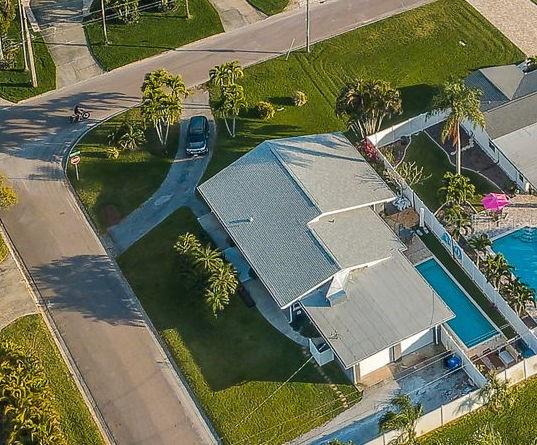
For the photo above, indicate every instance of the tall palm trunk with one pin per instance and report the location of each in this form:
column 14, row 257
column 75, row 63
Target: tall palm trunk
column 187, row 8
column 234, row 119
column 459, row 149
column 227, row 126
column 1, row 49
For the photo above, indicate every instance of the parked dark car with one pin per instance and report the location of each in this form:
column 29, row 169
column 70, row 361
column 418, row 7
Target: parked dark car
column 197, row 137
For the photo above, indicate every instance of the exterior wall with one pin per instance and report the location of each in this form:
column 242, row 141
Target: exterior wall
column 376, row 361
column 417, row 341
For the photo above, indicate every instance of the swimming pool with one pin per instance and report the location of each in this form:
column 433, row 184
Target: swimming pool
column 520, row 250
column 470, row 325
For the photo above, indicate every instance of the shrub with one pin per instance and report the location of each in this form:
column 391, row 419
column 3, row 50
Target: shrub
column 125, row 11
column 265, row 110
column 8, row 195
column 128, row 136
column 112, row 153
column 11, row 50
column 300, row 99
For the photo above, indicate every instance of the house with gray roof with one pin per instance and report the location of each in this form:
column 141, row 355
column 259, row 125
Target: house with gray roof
column 509, row 103
column 304, row 214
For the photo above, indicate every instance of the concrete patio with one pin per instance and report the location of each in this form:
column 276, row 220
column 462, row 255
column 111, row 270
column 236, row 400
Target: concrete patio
column 421, row 375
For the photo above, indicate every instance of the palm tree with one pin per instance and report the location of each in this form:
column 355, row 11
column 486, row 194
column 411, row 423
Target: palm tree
column 496, row 394
column 187, row 244
column 226, row 74
column 208, row 258
column 457, row 189
column 496, row 269
column 403, row 418
column 224, row 279
column 217, row 300
column 480, row 244
column 366, row 103
column 518, row 295
column 162, row 101
column 464, row 104
column 7, row 15
column 230, row 105
column 458, row 221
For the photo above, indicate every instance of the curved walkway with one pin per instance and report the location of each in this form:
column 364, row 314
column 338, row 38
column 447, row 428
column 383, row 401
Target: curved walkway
column 126, row 372
column 177, row 190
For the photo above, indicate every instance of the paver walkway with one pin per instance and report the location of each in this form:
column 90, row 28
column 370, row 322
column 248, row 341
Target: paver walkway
column 61, row 25
column 514, row 18
column 176, row 190
column 236, row 13
column 15, row 298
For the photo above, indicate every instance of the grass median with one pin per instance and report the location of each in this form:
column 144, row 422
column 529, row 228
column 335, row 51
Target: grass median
column 235, row 363
column 269, row 7
column 76, row 422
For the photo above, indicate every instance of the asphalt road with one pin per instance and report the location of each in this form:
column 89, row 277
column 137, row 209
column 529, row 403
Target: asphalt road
column 135, row 389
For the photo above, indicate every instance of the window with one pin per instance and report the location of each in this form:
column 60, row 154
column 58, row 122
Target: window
column 492, row 146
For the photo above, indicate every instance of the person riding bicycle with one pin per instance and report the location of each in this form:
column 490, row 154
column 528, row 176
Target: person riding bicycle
column 79, row 111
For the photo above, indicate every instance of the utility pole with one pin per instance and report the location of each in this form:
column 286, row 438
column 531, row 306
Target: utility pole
column 21, row 16
column 30, row 50
column 105, row 32
column 308, row 49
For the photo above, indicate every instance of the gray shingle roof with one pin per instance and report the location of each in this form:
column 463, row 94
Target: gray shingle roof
column 386, row 303
column 520, row 147
column 266, row 199
column 511, row 117
column 371, row 238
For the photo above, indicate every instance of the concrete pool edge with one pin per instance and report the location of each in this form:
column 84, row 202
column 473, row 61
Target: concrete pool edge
column 467, row 348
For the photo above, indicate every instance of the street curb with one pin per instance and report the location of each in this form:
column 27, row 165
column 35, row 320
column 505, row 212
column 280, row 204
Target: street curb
column 43, row 310
column 198, row 410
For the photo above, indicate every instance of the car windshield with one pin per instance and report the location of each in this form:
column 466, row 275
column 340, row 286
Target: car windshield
column 196, row 137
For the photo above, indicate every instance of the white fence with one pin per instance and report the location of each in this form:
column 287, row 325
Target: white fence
column 516, row 373
column 451, row 344
column 406, row 128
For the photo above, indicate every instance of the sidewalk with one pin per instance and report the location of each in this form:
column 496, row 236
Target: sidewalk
column 516, row 19
column 15, row 299
column 61, row 25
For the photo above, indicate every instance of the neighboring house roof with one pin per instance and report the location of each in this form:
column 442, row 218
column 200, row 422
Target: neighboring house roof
column 267, row 198
column 520, row 147
column 511, row 117
column 385, row 303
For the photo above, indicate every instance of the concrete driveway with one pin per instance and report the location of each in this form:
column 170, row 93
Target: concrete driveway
column 177, row 190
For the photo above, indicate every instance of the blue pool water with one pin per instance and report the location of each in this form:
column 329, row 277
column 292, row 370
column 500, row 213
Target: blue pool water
column 520, row 250
column 469, row 323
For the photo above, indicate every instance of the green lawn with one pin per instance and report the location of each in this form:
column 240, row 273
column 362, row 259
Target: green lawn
column 517, row 425
column 154, row 33
column 112, row 188
column 15, row 84
column 75, row 419
column 234, row 362
column 416, row 51
column 269, row 7
column 425, row 153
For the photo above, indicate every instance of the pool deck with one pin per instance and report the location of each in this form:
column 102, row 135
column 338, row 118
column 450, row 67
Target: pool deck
column 521, row 212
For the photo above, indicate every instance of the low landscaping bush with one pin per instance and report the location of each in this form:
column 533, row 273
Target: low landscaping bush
column 112, row 153
column 300, row 99
column 265, row 110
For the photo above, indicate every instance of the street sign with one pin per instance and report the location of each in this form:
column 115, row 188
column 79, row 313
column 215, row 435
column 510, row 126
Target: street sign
column 75, row 160
column 74, row 153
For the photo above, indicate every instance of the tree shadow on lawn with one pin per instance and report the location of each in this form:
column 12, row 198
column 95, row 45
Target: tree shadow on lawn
column 417, row 99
